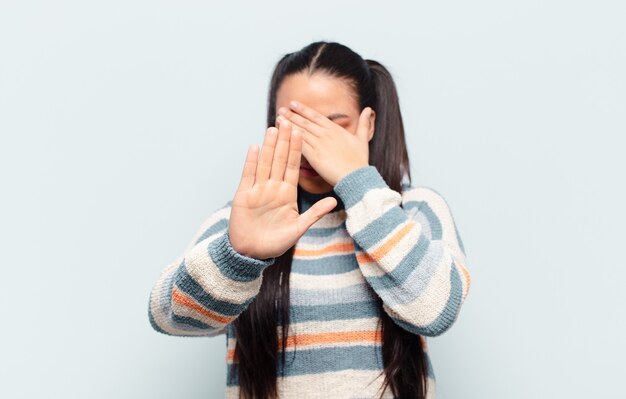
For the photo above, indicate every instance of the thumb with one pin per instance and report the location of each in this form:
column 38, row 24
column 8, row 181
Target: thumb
column 315, row 213
column 363, row 127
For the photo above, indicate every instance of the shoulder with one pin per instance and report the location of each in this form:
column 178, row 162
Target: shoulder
column 418, row 195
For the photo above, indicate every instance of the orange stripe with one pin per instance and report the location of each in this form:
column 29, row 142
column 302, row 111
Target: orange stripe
column 364, row 257
column 182, row 299
column 392, row 242
column 378, row 254
column 325, row 338
column 330, row 338
column 468, row 280
column 344, row 247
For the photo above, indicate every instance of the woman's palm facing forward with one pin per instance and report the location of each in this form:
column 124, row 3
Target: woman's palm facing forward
column 264, row 219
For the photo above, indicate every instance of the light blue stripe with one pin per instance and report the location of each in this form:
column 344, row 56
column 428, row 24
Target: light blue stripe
column 413, row 260
column 335, row 264
column 397, row 291
column 445, row 320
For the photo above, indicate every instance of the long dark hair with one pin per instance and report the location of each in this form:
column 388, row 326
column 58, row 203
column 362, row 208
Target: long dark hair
column 255, row 361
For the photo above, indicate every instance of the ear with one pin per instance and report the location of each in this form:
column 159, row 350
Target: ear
column 372, row 121
column 365, row 128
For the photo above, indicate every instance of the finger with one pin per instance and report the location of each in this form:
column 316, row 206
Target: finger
column 310, row 114
column 304, row 134
column 264, row 165
column 363, row 126
column 293, row 164
column 307, row 147
column 249, row 168
column 300, row 121
column 315, row 213
column 281, row 152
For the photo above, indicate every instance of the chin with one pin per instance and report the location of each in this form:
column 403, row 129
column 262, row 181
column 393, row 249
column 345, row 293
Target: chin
column 314, row 184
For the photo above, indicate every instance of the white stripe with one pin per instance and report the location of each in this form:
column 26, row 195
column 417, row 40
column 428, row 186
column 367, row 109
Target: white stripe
column 396, row 254
column 334, row 384
column 214, row 218
column 440, row 207
column 331, row 220
column 328, row 281
column 161, row 313
column 205, row 272
column 374, row 204
column 431, row 303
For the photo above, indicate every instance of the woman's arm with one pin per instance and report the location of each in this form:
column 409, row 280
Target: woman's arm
column 408, row 248
column 208, row 286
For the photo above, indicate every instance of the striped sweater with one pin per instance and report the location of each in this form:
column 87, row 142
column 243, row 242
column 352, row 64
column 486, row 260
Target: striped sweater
column 403, row 248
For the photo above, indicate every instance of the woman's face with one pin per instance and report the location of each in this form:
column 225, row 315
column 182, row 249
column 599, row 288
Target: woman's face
column 329, row 96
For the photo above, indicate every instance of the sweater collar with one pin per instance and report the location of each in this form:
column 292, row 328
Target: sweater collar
column 307, row 199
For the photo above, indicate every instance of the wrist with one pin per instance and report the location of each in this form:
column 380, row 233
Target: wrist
column 352, row 187
column 345, row 173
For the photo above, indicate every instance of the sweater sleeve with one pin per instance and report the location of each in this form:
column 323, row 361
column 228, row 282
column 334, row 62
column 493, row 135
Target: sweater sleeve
column 208, row 286
column 408, row 249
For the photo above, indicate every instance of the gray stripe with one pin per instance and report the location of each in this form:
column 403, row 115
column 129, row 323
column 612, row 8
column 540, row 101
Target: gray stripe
column 353, row 186
column 190, row 321
column 174, row 320
column 323, row 234
column 154, row 324
column 433, row 222
column 234, row 265
column 189, row 286
column 218, row 226
column 380, row 228
column 337, row 311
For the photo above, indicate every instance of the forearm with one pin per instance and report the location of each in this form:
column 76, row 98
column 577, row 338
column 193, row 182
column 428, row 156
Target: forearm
column 415, row 264
column 206, row 289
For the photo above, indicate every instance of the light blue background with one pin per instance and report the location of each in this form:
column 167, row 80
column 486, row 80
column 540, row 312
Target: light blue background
column 125, row 123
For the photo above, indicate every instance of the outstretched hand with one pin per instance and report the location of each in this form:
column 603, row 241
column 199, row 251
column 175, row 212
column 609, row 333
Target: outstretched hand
column 264, row 219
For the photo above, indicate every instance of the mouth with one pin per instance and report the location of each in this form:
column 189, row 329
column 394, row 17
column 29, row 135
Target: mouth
column 307, row 170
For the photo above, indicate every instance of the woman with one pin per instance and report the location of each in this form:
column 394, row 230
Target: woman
column 328, row 268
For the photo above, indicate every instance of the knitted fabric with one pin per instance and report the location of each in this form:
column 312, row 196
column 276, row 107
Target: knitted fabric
column 403, row 248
